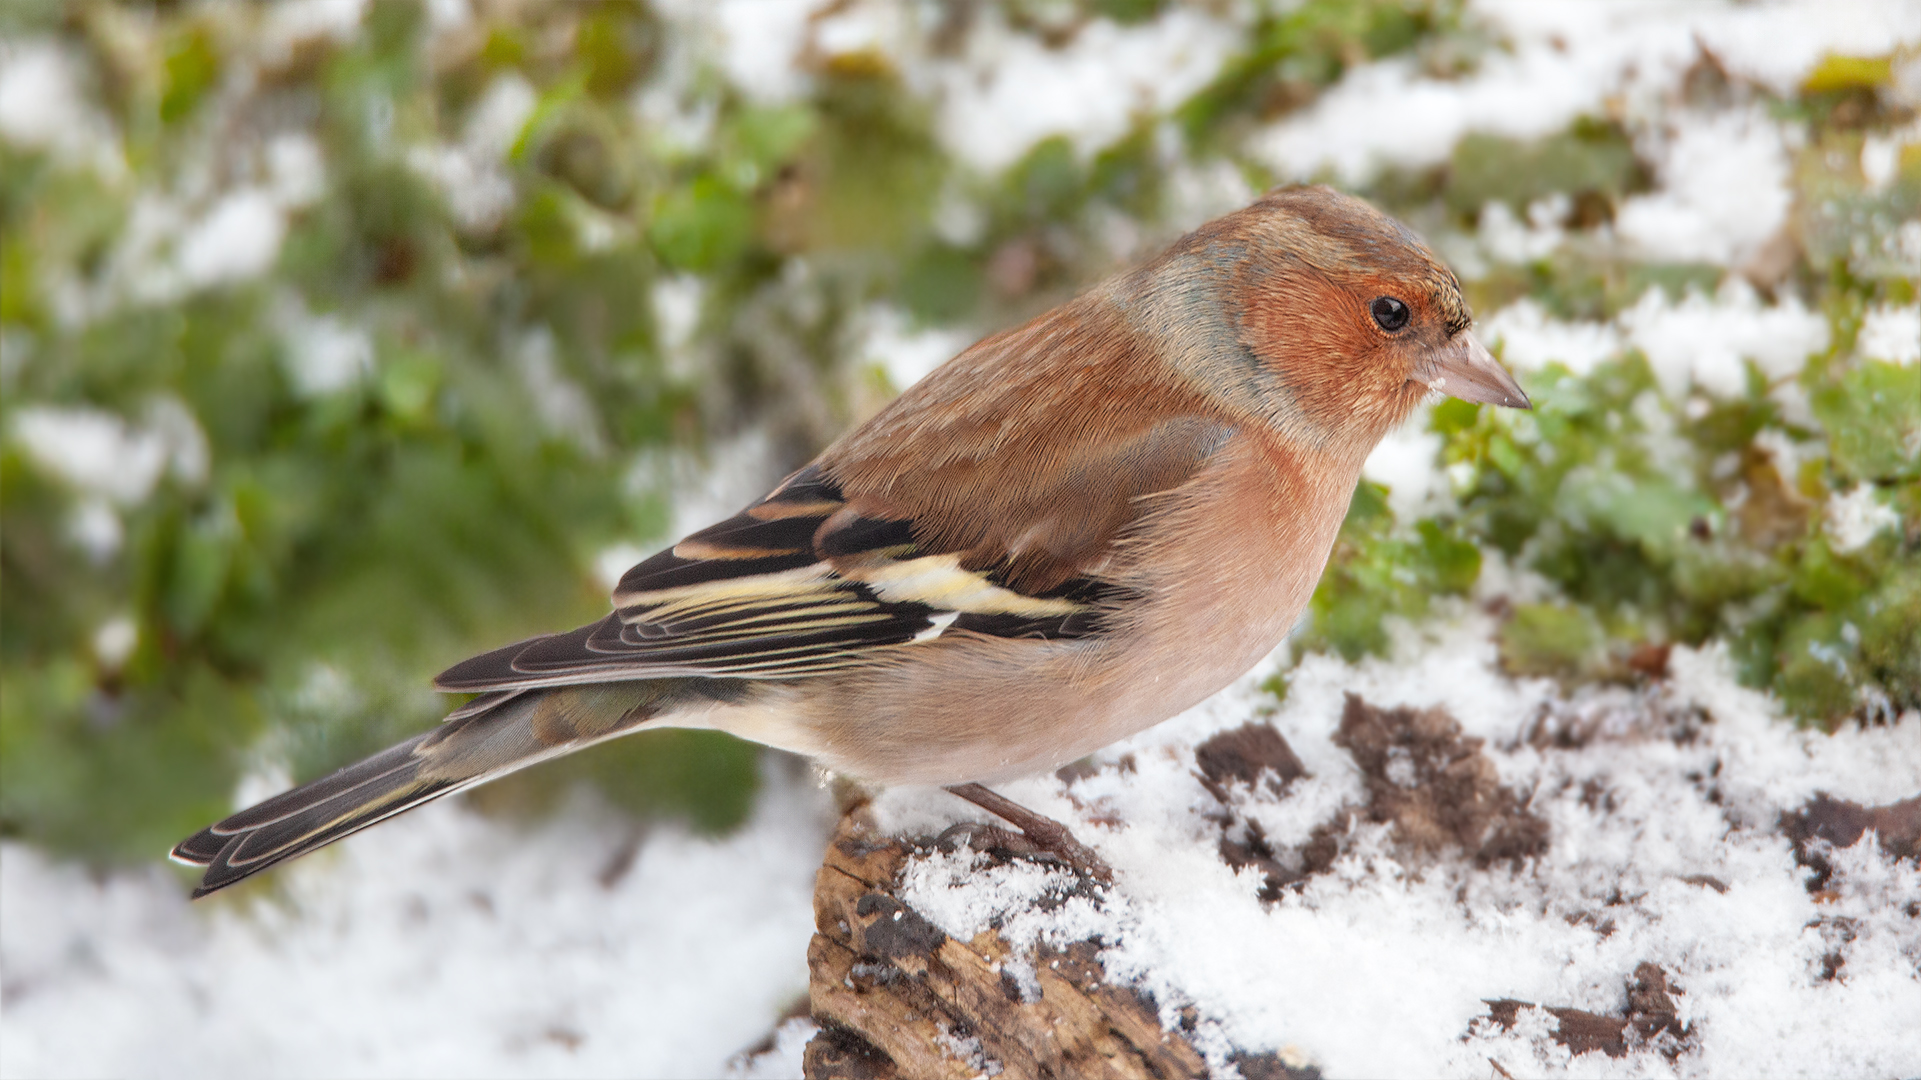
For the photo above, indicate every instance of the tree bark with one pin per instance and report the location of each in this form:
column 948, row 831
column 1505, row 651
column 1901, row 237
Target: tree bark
column 897, row 997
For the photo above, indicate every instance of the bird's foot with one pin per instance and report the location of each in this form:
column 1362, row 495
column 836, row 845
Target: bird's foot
column 1039, row 835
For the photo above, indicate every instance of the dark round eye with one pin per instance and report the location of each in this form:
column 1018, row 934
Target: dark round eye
column 1390, row 314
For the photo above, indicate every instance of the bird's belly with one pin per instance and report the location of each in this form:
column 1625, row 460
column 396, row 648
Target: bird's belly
column 973, row 708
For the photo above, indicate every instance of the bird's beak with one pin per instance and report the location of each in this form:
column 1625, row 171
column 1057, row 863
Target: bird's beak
column 1463, row 368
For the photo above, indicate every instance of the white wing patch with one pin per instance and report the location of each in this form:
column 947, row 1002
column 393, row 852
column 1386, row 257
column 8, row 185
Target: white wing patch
column 940, row 624
column 939, row 582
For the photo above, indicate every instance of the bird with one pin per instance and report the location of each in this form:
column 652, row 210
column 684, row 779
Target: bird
column 1071, row 531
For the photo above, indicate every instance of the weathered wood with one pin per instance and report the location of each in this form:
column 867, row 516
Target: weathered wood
column 897, row 997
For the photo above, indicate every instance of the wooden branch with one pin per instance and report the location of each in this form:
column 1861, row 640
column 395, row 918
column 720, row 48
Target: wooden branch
column 897, row 997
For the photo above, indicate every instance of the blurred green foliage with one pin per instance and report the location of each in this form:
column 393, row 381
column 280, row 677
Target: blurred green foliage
column 410, row 434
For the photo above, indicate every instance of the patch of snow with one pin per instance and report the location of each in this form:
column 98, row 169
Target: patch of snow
column 905, row 353
column 1408, row 462
column 99, row 452
column 1564, row 60
column 469, row 176
column 296, row 170
column 1854, row 517
column 1891, row 333
column 958, row 219
column 96, row 529
column 736, row 472
column 477, row 193
column 1199, row 193
column 1880, row 161
column 500, row 116
column 324, row 354
column 1010, row 91
column 237, row 239
column 850, row 28
column 783, row 1060
column 1530, row 339
column 1724, row 190
column 1703, row 341
column 41, row 107
column 441, row 944
column 761, row 41
column 291, row 22
column 1509, row 239
column 613, row 562
column 560, row 402
column 677, row 303
column 114, row 641
column 448, row 15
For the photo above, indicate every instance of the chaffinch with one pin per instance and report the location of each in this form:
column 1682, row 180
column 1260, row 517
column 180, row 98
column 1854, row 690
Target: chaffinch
column 1070, row 532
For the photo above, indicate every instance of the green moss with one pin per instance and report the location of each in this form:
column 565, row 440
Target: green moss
column 1592, row 165
column 1549, row 639
column 1296, row 50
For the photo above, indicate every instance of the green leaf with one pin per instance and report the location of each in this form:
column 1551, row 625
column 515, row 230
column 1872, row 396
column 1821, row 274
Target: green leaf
column 1873, row 414
column 700, row 225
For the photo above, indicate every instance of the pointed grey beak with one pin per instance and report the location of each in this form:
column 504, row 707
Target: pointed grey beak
column 1465, row 369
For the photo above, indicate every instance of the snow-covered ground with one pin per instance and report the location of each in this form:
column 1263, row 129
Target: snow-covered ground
column 445, row 943
column 452, row 945
column 1663, row 845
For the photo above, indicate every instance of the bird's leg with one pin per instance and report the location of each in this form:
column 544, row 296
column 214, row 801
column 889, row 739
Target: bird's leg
column 1044, row 833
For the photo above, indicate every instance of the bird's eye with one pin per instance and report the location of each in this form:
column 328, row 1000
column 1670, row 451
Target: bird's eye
column 1390, row 314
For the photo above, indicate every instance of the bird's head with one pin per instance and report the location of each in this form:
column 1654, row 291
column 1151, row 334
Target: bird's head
column 1344, row 319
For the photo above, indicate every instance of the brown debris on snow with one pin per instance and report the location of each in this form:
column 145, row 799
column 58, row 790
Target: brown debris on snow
column 1243, row 755
column 1826, row 820
column 1651, row 1019
column 1435, row 785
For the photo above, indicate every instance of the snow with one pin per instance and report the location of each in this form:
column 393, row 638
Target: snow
column 783, row 1059
column 470, row 176
column 41, row 106
column 1854, row 517
column 323, row 354
column 237, row 239
column 1381, row 966
column 1010, row 91
column 904, row 352
column 294, row 21
column 556, row 400
column 1723, row 191
column 761, row 42
column 297, row 174
column 1702, row 341
column 102, row 454
column 1891, row 333
column 1404, row 461
column 1562, row 60
column 1005, row 90
column 441, row 944
column 114, row 641
column 1529, row 339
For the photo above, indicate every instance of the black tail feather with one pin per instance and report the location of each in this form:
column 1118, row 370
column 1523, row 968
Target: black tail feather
column 518, row 729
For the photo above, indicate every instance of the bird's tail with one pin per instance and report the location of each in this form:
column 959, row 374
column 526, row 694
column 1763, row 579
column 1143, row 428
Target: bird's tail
column 488, row 738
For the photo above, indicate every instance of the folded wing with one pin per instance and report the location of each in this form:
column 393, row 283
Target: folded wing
column 954, row 511
column 795, row 586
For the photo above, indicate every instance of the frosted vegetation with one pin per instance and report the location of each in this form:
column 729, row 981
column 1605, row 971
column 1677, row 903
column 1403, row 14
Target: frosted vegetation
column 338, row 344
